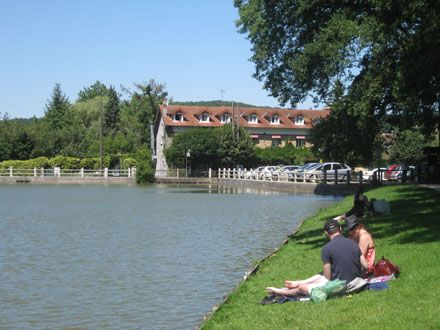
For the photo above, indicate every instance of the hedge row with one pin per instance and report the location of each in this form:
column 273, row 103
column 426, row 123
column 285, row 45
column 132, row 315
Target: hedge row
column 66, row 163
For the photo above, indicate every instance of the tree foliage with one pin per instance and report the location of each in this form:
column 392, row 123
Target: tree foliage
column 386, row 52
column 286, row 155
column 90, row 92
column 111, row 114
column 407, row 147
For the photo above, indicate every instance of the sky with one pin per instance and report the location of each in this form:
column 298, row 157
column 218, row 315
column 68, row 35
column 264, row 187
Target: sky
column 192, row 46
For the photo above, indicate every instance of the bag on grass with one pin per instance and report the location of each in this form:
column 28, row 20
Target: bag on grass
column 331, row 288
column 385, row 267
column 381, row 206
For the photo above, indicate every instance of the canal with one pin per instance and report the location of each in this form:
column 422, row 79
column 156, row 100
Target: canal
column 133, row 257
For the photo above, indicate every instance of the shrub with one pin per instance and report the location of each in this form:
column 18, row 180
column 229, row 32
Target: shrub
column 64, row 162
column 144, row 166
column 25, row 164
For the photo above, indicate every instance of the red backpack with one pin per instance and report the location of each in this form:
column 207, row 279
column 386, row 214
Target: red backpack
column 385, row 267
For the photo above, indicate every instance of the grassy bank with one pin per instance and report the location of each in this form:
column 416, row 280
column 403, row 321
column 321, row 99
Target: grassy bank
column 409, row 236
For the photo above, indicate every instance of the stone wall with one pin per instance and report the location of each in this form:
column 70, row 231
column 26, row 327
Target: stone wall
column 65, row 180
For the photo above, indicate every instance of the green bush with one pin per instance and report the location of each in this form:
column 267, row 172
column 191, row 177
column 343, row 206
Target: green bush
column 129, row 162
column 25, row 164
column 286, row 155
column 64, row 162
column 144, row 166
column 90, row 163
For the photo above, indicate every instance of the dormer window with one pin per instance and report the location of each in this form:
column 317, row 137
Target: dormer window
column 178, row 116
column 225, row 118
column 299, row 120
column 253, row 119
column 275, row 119
column 204, row 117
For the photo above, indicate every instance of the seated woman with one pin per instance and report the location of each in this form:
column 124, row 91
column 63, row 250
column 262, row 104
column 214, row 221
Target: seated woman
column 360, row 203
column 358, row 233
column 298, row 288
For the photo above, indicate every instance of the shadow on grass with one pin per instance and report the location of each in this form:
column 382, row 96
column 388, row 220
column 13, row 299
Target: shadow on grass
column 414, row 218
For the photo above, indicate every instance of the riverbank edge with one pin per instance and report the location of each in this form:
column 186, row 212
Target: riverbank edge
column 298, row 232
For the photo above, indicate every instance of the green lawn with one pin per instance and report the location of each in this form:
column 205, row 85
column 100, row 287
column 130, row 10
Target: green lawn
column 409, row 236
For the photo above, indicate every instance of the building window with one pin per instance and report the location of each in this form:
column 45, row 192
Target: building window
column 253, row 119
column 300, row 143
column 225, row 118
column 299, row 120
column 275, row 119
column 178, row 116
column 204, row 117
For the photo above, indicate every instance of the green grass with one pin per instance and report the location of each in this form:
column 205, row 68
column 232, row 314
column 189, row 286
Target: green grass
column 409, row 236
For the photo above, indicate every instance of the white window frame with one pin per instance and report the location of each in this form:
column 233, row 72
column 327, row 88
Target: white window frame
column 299, row 120
column 176, row 115
column 204, row 117
column 275, row 119
column 225, row 118
column 253, row 119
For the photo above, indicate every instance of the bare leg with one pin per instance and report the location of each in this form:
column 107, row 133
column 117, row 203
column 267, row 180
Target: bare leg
column 300, row 290
column 296, row 284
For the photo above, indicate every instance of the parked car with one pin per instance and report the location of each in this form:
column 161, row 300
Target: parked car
column 368, row 175
column 306, row 170
column 330, row 168
column 286, row 171
column 389, row 171
column 255, row 173
column 398, row 174
column 267, row 171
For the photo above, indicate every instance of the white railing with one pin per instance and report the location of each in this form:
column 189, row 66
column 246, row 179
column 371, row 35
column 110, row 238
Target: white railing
column 311, row 177
column 74, row 173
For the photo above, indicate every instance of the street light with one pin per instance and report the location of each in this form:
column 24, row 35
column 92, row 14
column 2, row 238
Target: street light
column 188, row 154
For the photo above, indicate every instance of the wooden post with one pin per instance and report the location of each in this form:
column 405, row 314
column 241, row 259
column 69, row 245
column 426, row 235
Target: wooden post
column 336, row 176
column 348, row 177
column 360, row 177
column 325, row 176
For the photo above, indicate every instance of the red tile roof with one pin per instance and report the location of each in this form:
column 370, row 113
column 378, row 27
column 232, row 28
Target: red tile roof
column 287, row 116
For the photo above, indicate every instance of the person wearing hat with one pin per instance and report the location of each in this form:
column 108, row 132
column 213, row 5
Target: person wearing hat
column 359, row 234
column 341, row 258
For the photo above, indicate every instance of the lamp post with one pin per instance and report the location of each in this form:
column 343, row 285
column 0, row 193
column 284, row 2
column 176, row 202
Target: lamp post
column 187, row 155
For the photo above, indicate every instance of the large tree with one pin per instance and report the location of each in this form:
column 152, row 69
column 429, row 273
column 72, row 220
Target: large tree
column 386, row 52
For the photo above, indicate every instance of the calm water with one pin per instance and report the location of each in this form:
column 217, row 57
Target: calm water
column 156, row 257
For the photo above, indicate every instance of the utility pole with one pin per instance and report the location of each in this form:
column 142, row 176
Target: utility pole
column 221, row 95
column 100, row 133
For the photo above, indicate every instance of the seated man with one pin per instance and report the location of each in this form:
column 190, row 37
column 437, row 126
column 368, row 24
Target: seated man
column 342, row 259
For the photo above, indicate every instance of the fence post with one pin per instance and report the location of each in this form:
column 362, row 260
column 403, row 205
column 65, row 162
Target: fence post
column 35, row 171
column 348, row 177
column 105, row 172
column 304, row 176
column 129, row 172
column 209, row 173
column 82, row 172
column 177, row 172
column 218, row 173
column 325, row 176
column 336, row 176
column 360, row 177
column 10, row 170
column 42, row 171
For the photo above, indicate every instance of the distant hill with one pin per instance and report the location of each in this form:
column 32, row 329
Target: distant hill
column 216, row 103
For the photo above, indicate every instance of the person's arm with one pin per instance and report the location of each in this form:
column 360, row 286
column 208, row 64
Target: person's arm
column 364, row 243
column 364, row 263
column 327, row 270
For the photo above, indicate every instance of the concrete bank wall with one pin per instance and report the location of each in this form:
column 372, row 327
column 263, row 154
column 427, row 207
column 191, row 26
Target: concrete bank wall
column 65, row 180
column 293, row 187
column 185, row 180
